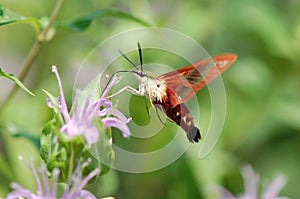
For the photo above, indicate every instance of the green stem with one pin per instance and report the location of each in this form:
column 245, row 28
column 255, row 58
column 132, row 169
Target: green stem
column 52, row 17
column 71, row 161
column 35, row 49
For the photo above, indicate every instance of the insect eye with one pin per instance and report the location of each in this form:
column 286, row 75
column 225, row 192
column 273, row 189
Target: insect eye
column 158, row 85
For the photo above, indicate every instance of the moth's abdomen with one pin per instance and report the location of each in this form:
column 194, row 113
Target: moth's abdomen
column 182, row 116
column 194, row 134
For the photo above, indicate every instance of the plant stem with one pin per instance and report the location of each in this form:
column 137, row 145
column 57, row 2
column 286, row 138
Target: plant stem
column 35, row 50
column 71, row 161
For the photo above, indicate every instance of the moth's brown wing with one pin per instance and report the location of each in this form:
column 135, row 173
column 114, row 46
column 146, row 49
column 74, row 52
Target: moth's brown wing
column 183, row 83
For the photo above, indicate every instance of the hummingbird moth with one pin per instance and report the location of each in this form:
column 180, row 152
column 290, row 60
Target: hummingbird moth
column 171, row 90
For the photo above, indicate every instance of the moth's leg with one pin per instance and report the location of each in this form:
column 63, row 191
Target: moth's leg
column 155, row 107
column 126, row 88
column 147, row 108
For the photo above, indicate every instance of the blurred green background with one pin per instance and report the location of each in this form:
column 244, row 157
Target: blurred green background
column 262, row 87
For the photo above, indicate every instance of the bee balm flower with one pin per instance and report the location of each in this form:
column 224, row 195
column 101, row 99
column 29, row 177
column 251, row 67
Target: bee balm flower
column 48, row 189
column 81, row 121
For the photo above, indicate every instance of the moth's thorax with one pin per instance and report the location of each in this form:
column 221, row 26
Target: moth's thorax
column 152, row 87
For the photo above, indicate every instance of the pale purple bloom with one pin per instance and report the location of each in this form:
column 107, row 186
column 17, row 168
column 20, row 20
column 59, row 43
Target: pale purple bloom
column 250, row 182
column 81, row 121
column 48, row 189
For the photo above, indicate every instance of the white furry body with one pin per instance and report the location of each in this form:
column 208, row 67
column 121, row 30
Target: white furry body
column 152, row 87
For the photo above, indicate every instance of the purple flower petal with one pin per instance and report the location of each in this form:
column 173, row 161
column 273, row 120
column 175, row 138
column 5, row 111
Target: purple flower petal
column 20, row 192
column 63, row 107
column 220, row 192
column 70, row 129
column 55, row 175
column 249, row 182
column 74, row 188
column 120, row 116
column 45, row 182
column 114, row 122
column 37, row 180
column 49, row 103
column 274, row 188
column 76, row 182
column 84, row 181
column 112, row 82
column 86, row 195
column 103, row 103
column 91, row 134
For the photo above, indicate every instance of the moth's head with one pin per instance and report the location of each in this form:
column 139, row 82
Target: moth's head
column 139, row 74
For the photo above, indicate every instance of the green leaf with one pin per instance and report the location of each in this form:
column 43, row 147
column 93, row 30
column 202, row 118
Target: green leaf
column 7, row 17
column 82, row 23
column 18, row 82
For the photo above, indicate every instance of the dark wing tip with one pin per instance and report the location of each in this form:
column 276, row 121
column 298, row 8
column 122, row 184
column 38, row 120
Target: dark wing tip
column 194, row 134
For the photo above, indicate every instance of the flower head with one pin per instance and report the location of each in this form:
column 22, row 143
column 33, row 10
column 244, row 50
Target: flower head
column 250, row 182
column 48, row 190
column 81, row 121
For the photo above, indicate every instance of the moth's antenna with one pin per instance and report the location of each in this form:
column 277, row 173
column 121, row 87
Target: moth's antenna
column 141, row 74
column 140, row 53
column 128, row 59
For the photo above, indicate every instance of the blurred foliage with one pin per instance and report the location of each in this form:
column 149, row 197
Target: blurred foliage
column 263, row 99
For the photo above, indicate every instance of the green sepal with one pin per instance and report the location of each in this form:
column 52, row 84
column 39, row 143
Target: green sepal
column 46, row 140
column 103, row 150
